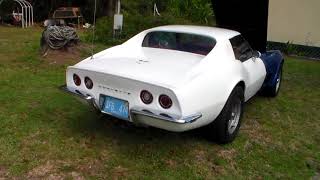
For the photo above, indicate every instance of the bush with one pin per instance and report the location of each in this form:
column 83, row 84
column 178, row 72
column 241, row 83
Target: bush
column 144, row 7
column 138, row 23
column 138, row 16
column 195, row 10
column 103, row 32
column 133, row 24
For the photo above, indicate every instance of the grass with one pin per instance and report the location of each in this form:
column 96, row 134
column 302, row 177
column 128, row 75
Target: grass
column 46, row 133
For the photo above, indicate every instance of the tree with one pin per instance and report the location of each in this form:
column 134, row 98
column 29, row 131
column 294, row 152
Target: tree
column 110, row 7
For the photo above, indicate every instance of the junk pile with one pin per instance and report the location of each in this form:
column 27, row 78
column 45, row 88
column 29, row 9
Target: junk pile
column 58, row 37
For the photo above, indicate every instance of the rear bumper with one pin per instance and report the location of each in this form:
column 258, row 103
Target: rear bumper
column 81, row 97
column 185, row 120
column 139, row 116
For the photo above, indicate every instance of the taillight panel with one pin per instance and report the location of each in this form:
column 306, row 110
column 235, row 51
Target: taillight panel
column 88, row 83
column 76, row 80
column 146, row 97
column 165, row 101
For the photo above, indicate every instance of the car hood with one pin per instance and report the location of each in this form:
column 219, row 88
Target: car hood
column 156, row 66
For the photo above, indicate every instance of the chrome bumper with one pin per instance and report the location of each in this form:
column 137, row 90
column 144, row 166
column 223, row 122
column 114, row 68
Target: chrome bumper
column 91, row 101
column 185, row 120
column 84, row 98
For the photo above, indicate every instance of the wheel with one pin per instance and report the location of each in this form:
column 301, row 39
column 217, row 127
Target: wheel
column 273, row 91
column 226, row 126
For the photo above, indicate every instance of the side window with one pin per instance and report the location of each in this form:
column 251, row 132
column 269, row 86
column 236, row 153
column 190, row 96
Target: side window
column 241, row 48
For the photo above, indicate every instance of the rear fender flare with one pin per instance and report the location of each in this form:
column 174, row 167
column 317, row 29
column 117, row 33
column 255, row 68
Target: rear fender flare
column 273, row 64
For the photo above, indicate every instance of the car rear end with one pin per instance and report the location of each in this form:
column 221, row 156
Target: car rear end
column 128, row 99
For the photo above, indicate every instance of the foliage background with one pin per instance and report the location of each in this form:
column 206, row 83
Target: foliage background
column 138, row 16
column 196, row 10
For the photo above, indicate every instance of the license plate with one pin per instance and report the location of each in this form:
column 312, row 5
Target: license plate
column 116, row 107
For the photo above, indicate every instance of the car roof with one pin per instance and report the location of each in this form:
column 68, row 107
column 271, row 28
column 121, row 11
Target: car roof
column 217, row 33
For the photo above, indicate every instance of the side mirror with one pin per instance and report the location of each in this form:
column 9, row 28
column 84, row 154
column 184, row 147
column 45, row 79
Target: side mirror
column 256, row 54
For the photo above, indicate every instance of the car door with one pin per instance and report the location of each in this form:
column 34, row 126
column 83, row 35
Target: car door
column 253, row 66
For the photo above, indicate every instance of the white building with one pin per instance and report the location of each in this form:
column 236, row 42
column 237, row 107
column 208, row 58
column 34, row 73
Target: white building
column 294, row 21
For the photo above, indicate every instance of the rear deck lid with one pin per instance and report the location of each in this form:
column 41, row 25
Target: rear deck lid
column 156, row 66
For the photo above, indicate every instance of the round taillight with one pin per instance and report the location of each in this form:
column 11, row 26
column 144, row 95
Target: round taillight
column 76, row 80
column 165, row 101
column 146, row 97
column 88, row 82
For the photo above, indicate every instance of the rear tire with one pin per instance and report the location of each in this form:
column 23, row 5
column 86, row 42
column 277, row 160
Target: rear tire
column 226, row 126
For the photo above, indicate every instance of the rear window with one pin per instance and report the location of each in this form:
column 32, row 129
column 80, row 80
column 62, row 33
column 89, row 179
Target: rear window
column 191, row 43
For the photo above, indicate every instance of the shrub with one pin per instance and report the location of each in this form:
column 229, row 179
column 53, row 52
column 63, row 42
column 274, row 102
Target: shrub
column 195, row 10
column 138, row 16
column 133, row 24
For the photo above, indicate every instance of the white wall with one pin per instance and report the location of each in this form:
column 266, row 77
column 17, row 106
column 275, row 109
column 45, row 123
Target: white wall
column 297, row 21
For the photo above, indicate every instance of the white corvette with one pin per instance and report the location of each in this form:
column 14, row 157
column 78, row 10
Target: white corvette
column 178, row 78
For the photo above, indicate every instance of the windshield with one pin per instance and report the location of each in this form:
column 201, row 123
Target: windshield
column 192, row 43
